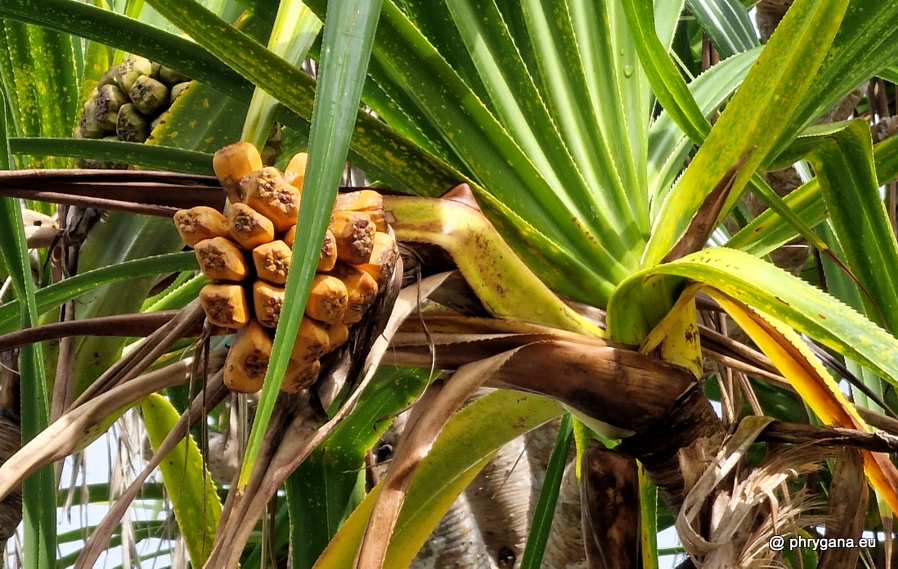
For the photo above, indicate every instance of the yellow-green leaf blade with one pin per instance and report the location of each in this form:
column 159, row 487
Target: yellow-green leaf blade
column 189, row 484
column 842, row 156
column 462, row 450
column 815, row 386
column 762, row 113
column 774, row 292
column 505, row 285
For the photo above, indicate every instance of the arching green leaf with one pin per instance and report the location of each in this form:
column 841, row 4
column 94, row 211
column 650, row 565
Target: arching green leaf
column 759, row 115
column 727, row 24
column 772, row 291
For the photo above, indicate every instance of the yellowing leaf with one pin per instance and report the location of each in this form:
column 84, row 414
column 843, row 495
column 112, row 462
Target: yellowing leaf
column 505, row 285
column 678, row 335
column 813, row 383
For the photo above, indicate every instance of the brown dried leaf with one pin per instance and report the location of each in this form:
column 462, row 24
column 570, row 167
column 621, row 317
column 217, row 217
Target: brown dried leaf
column 98, row 542
column 847, row 508
column 430, row 414
column 730, row 456
column 704, row 221
column 746, row 510
column 121, row 325
column 610, row 502
column 612, row 384
column 77, row 427
column 137, row 191
column 145, row 352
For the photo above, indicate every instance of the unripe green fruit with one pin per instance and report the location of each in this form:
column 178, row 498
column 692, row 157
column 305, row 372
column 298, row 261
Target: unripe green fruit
column 178, row 89
column 130, row 69
column 148, row 95
column 171, row 77
column 131, row 125
column 108, row 100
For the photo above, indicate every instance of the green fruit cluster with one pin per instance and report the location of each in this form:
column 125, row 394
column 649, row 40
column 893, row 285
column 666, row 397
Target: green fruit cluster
column 129, row 101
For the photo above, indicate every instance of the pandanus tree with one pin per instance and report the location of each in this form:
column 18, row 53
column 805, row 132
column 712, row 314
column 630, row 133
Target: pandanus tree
column 596, row 247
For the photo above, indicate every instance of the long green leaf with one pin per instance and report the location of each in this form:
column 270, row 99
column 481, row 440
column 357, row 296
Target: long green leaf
column 346, row 48
column 842, row 287
column 54, row 295
column 151, row 157
column 187, row 481
column 772, row 291
column 618, row 89
column 554, row 29
column 760, row 113
column 727, row 24
column 390, row 100
column 667, row 83
column 842, row 156
column 558, row 153
column 768, row 231
column 294, row 31
column 544, row 513
column 38, row 494
column 179, row 294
